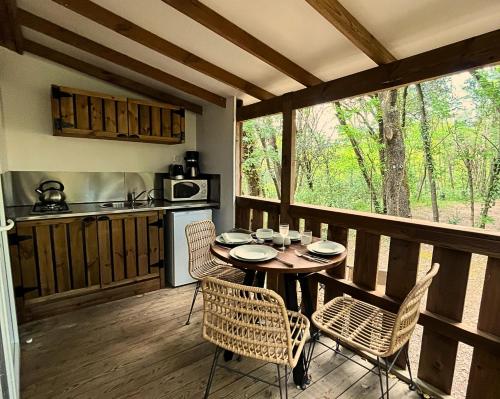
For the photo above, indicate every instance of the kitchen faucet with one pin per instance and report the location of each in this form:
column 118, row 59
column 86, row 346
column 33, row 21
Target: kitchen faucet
column 132, row 198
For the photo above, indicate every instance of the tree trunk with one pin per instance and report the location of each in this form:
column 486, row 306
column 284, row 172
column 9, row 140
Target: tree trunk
column 274, row 170
column 253, row 177
column 493, row 189
column 429, row 162
column 470, row 181
column 359, row 158
column 395, row 179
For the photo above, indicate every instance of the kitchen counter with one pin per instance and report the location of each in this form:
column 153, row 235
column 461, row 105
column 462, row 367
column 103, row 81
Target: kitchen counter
column 23, row 213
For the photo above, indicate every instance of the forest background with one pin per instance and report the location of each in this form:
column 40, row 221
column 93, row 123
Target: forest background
column 429, row 150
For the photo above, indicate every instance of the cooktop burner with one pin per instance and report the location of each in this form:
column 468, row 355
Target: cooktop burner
column 51, row 208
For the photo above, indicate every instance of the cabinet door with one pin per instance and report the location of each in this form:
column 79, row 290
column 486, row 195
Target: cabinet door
column 82, row 113
column 129, row 247
column 156, row 122
column 56, row 255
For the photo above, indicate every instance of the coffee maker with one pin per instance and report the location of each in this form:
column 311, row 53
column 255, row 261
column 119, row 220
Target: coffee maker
column 192, row 164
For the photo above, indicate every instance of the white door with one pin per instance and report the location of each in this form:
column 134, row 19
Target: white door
column 9, row 339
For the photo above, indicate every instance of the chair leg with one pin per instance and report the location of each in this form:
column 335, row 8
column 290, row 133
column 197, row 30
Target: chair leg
column 279, row 381
column 212, row 372
column 286, row 382
column 413, row 385
column 386, row 378
column 380, row 377
column 194, row 300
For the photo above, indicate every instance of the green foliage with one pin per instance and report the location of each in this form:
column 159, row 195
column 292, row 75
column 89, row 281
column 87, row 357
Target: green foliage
column 463, row 115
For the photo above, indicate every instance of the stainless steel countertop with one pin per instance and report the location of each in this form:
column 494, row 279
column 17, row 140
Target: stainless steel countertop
column 23, row 213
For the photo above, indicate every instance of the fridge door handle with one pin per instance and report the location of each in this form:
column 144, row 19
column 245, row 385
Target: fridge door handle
column 9, row 226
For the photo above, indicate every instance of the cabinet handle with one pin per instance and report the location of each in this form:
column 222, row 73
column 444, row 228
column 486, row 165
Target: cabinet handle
column 102, row 218
column 135, row 136
column 122, row 135
column 10, row 225
column 88, row 220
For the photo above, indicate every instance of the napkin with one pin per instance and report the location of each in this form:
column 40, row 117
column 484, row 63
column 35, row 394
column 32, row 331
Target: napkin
column 226, row 238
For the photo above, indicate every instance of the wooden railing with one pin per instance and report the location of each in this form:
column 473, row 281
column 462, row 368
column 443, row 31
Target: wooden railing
column 453, row 247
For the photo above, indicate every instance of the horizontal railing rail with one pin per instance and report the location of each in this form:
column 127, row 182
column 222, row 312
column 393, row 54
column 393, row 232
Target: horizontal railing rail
column 452, row 247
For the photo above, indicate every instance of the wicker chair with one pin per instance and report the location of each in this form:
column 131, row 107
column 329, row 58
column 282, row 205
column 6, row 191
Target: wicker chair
column 202, row 263
column 252, row 322
column 370, row 329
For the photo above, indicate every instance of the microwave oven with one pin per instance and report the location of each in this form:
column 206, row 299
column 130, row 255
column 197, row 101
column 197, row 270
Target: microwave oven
column 185, row 189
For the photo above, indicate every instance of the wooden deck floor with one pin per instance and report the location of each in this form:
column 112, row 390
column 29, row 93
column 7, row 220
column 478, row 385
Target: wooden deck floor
column 139, row 347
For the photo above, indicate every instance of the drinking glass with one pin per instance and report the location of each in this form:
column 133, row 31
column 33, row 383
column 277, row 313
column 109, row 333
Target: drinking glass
column 284, row 228
column 306, row 237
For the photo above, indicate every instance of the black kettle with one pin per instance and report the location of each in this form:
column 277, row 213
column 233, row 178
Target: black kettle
column 51, row 192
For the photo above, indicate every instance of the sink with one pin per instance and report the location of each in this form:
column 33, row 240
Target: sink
column 124, row 205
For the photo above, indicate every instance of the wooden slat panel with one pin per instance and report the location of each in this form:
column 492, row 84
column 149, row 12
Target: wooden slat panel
column 166, row 122
column 110, row 122
column 176, row 124
column 402, row 267
column 82, row 111
column 485, row 366
column 130, row 248
column 61, row 258
column 118, row 250
column 27, row 261
column 142, row 245
column 96, row 120
column 133, row 118
column 446, row 298
column 366, row 259
column 67, row 111
column 257, row 219
column 44, row 257
column 121, row 117
column 91, row 251
column 155, row 121
column 273, row 221
column 105, row 255
column 154, row 243
column 77, row 253
column 314, row 226
column 340, row 235
column 243, row 218
column 144, row 120
column 401, row 274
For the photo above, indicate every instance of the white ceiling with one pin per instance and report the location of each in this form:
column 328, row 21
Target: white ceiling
column 292, row 27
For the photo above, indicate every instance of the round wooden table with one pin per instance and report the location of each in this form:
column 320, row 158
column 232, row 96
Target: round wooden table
column 302, row 268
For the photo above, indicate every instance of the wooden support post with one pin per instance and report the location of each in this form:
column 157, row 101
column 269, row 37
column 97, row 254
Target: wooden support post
column 287, row 162
column 446, row 298
column 485, row 366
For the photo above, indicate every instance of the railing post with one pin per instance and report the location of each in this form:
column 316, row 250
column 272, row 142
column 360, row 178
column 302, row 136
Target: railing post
column 288, row 163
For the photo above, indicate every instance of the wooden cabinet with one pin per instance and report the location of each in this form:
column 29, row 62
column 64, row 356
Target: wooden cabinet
column 86, row 114
column 58, row 263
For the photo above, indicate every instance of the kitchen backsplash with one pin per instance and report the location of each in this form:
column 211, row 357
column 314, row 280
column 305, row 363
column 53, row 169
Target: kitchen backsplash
column 19, row 187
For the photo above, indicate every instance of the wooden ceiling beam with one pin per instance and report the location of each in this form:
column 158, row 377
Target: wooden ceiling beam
column 103, row 74
column 59, row 33
column 350, row 27
column 207, row 17
column 134, row 32
column 10, row 31
column 467, row 54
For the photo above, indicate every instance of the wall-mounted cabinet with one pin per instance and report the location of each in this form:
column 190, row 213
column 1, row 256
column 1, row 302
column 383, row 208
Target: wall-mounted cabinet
column 63, row 264
column 85, row 114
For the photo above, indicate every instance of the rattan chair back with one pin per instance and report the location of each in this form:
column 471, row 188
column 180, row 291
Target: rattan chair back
column 407, row 316
column 249, row 321
column 199, row 236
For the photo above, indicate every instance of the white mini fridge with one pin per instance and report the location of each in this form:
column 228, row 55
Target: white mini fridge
column 177, row 250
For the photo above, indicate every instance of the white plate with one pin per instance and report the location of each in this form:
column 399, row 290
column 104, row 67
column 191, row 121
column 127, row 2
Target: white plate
column 294, row 235
column 253, row 253
column 234, row 238
column 326, row 248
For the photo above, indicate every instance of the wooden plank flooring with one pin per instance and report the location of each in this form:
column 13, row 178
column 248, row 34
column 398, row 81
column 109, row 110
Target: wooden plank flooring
column 139, row 347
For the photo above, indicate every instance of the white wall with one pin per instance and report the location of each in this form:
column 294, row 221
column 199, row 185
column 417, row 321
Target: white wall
column 28, row 141
column 216, row 144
